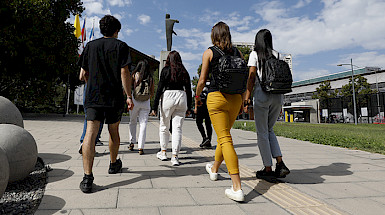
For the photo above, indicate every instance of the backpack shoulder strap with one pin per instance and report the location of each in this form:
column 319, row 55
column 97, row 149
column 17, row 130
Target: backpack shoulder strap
column 219, row 50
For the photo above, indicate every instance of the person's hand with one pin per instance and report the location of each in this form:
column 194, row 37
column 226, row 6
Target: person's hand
column 198, row 102
column 130, row 103
column 153, row 113
column 196, row 110
column 246, row 104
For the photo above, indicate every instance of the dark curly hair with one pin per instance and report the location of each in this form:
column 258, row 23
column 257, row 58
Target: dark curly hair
column 109, row 25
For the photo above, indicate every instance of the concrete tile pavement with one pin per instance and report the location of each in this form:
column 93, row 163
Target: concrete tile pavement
column 324, row 179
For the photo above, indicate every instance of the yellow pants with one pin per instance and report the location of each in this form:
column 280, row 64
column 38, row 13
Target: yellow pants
column 223, row 109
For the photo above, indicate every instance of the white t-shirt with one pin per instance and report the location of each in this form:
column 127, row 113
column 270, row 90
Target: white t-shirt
column 253, row 61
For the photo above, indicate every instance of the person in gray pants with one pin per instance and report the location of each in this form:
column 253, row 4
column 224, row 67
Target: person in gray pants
column 267, row 107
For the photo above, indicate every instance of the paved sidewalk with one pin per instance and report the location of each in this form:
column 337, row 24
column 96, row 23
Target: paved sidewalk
column 323, row 179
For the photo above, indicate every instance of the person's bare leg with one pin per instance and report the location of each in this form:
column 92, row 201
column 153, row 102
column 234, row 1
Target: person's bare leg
column 216, row 166
column 88, row 147
column 236, row 179
column 279, row 159
column 114, row 141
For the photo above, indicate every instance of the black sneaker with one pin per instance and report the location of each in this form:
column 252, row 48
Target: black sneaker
column 115, row 167
column 281, row 170
column 86, row 185
column 206, row 143
column 267, row 176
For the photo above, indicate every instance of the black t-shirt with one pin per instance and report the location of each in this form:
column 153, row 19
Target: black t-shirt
column 103, row 58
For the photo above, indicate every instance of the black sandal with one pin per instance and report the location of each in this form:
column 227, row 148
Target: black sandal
column 131, row 147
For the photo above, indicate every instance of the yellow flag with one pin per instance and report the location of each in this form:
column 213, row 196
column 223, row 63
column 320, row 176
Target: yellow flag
column 77, row 31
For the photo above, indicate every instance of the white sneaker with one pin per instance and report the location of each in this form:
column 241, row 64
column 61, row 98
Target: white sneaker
column 174, row 161
column 80, row 148
column 235, row 195
column 161, row 156
column 213, row 176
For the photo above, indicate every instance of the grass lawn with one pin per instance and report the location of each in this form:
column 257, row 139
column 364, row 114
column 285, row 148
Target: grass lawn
column 366, row 137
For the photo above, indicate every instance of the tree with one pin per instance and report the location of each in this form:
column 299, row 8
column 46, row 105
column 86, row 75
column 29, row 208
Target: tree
column 362, row 90
column 324, row 91
column 245, row 52
column 39, row 52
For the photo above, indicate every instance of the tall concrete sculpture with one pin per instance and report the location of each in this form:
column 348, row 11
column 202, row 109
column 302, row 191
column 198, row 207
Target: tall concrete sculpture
column 170, row 30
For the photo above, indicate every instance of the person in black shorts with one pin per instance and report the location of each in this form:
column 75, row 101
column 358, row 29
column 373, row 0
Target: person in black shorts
column 105, row 64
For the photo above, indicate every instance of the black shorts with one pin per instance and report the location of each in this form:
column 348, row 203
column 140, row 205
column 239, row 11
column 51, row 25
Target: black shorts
column 104, row 114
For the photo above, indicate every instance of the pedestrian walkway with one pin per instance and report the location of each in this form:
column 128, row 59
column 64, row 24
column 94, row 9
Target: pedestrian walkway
column 323, row 179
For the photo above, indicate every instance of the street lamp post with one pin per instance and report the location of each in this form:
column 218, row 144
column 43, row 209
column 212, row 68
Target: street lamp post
column 354, row 92
column 378, row 97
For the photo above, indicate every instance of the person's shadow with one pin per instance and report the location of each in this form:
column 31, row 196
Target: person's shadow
column 301, row 176
column 315, row 175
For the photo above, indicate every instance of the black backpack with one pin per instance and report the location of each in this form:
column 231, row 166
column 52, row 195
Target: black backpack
column 276, row 77
column 232, row 73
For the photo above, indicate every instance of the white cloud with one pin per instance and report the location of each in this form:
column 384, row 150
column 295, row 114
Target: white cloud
column 311, row 73
column 195, row 39
column 144, row 19
column 189, row 56
column 340, row 24
column 302, row 3
column 128, row 31
column 369, row 59
column 95, row 7
column 120, row 3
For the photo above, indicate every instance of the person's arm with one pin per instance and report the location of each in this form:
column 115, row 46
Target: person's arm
column 152, row 89
column 159, row 91
column 188, row 94
column 244, row 93
column 206, row 58
column 83, row 76
column 250, row 86
column 126, row 82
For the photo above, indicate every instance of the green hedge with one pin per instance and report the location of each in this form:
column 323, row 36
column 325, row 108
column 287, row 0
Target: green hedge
column 366, row 137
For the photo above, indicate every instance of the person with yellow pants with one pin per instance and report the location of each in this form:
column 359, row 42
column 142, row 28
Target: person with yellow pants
column 223, row 109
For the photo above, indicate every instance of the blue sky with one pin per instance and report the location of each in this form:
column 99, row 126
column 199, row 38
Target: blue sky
column 319, row 34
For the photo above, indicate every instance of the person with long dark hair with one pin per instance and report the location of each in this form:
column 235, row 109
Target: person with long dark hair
column 143, row 90
column 174, row 92
column 223, row 109
column 267, row 107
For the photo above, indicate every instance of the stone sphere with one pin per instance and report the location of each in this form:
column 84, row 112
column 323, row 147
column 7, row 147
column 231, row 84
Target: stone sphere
column 21, row 150
column 4, row 169
column 9, row 114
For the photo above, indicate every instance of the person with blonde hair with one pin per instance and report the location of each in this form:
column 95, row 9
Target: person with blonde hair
column 223, row 108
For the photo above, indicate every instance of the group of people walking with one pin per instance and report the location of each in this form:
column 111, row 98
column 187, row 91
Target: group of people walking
column 105, row 64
